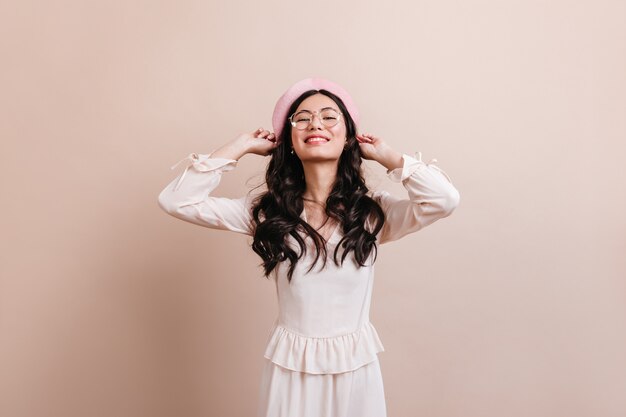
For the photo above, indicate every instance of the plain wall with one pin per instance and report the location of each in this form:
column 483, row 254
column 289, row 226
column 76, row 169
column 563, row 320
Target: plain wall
column 515, row 305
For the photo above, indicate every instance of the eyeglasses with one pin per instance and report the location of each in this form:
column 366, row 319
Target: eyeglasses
column 302, row 119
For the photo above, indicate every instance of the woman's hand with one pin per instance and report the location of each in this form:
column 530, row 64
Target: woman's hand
column 374, row 148
column 260, row 142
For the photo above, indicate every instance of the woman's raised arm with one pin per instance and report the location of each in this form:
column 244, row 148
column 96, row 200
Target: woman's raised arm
column 188, row 197
column 431, row 195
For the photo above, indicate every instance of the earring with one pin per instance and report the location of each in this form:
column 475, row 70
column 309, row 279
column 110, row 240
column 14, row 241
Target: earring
column 292, row 151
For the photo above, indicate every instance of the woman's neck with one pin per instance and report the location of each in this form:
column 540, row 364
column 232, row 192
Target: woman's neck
column 320, row 178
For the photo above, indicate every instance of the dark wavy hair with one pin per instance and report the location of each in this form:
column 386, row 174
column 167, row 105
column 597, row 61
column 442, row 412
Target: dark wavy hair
column 281, row 205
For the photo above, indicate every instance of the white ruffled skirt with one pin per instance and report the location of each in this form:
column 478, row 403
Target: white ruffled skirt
column 287, row 393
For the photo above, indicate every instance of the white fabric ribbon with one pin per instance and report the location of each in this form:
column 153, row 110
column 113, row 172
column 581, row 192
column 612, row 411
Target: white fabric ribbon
column 192, row 157
column 418, row 156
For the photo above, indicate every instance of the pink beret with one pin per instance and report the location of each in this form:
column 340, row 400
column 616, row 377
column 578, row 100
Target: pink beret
column 286, row 100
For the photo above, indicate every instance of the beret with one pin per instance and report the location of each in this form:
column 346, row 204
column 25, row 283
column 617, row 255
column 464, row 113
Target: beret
column 286, row 100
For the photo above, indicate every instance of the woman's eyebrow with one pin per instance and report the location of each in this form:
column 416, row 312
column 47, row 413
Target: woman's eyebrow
column 324, row 108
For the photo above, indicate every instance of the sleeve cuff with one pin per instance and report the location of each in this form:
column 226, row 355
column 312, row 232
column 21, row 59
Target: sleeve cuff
column 409, row 166
column 204, row 163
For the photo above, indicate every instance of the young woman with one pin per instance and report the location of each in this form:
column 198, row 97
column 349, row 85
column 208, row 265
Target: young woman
column 316, row 229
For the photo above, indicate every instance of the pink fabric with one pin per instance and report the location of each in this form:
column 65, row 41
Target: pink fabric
column 293, row 92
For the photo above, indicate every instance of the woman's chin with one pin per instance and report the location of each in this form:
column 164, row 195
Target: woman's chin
column 319, row 157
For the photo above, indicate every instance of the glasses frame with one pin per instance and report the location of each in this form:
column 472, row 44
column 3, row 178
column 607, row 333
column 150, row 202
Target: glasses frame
column 313, row 114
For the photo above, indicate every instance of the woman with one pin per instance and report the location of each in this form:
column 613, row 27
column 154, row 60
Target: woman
column 316, row 228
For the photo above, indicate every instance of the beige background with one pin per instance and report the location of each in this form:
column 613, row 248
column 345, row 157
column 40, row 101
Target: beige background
column 513, row 306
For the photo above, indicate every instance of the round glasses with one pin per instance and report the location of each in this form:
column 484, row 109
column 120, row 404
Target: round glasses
column 302, row 119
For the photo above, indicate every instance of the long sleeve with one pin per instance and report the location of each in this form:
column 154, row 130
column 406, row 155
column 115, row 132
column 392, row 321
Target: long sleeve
column 431, row 197
column 188, row 197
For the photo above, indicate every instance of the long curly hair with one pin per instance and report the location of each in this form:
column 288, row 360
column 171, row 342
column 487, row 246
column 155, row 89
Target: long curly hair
column 281, row 205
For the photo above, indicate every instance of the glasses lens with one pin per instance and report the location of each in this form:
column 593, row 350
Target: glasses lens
column 303, row 119
column 329, row 117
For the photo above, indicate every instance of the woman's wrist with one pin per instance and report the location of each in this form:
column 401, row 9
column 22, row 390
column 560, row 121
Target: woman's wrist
column 232, row 150
column 390, row 159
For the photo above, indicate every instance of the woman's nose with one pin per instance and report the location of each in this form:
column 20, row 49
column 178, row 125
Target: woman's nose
column 316, row 121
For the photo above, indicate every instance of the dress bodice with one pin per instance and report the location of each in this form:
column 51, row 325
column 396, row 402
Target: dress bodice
column 323, row 321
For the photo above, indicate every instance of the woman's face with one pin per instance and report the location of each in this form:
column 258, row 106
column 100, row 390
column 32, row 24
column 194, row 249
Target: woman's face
column 324, row 150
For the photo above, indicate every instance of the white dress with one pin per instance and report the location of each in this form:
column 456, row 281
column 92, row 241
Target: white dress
column 321, row 357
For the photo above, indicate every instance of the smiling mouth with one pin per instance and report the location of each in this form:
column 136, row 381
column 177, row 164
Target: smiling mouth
column 315, row 139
